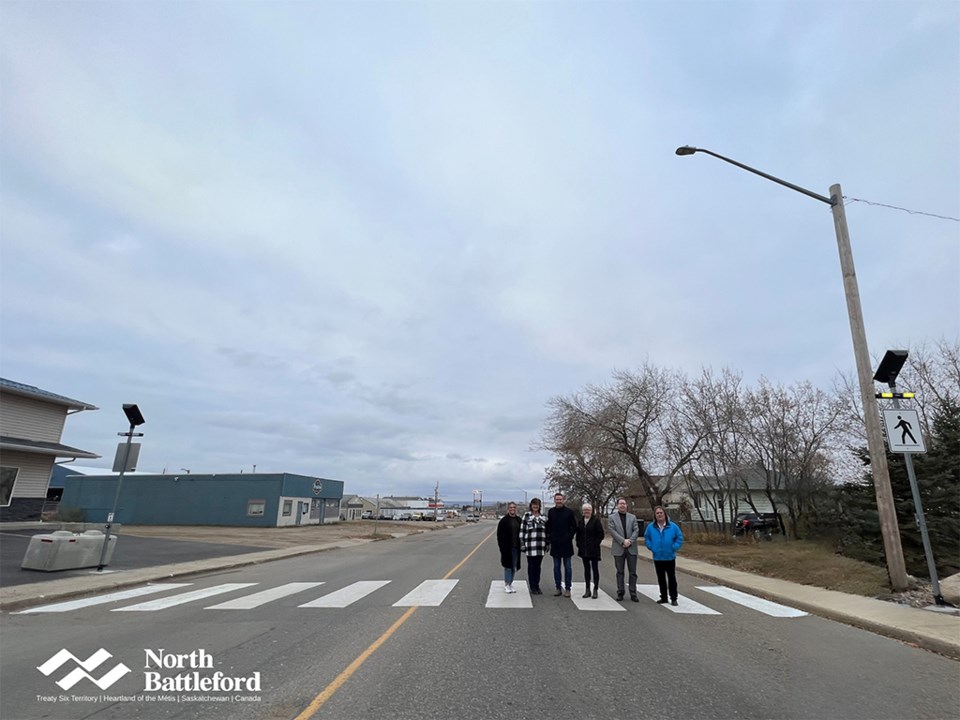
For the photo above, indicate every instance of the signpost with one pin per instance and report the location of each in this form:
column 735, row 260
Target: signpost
column 903, row 436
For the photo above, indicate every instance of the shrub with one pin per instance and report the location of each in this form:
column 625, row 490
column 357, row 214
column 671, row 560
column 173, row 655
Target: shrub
column 70, row 514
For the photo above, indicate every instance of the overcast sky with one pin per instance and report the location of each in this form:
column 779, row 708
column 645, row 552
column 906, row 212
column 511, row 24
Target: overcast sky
column 369, row 241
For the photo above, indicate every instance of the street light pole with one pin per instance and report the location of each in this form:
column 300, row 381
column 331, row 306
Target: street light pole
column 893, row 550
column 135, row 418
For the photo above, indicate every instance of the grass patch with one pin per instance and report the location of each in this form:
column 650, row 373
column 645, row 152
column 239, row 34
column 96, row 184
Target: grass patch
column 799, row 561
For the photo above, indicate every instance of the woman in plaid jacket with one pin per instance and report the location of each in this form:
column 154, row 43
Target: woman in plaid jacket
column 533, row 542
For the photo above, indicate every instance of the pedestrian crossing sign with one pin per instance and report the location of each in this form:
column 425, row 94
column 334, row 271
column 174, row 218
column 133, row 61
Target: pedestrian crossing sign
column 903, row 431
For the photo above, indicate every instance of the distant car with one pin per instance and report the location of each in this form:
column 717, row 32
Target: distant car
column 760, row 525
column 473, row 517
column 367, row 515
column 441, row 518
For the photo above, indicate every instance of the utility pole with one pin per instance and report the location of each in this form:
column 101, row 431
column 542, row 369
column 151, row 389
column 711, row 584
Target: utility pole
column 889, row 528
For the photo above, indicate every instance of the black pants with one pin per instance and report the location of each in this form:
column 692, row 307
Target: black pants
column 631, row 563
column 666, row 577
column 593, row 563
column 533, row 570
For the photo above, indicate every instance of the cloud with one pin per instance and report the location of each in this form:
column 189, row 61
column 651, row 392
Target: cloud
column 373, row 247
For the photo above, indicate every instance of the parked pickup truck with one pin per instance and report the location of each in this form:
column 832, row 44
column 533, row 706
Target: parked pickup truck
column 760, row 525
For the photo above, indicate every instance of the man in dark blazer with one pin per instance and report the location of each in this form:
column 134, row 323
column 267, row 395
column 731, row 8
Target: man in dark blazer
column 625, row 530
column 561, row 529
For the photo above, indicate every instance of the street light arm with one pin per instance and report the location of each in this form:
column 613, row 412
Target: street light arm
column 687, row 150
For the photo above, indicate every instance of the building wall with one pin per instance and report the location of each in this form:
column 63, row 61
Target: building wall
column 31, row 419
column 295, row 511
column 34, row 472
column 201, row 499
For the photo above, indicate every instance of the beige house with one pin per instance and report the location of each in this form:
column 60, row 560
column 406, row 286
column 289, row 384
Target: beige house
column 31, row 425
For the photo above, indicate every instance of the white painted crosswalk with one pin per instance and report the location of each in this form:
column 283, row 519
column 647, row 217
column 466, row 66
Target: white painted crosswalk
column 249, row 602
column 428, row 593
column 497, row 598
column 684, row 606
column 603, row 603
column 164, row 603
column 103, row 599
column 346, row 596
column 752, row 601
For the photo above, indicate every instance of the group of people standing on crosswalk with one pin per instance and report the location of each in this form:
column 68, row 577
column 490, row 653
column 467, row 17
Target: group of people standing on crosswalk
column 537, row 535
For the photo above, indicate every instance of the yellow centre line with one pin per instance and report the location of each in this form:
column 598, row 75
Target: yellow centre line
column 310, row 710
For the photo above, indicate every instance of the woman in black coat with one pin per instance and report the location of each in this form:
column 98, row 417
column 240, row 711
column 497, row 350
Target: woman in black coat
column 508, row 540
column 589, row 536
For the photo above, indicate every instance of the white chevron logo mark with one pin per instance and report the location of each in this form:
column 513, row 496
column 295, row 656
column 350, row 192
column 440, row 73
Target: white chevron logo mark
column 77, row 674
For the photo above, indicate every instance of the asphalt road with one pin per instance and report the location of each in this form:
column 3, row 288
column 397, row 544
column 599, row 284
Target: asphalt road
column 372, row 660
column 131, row 553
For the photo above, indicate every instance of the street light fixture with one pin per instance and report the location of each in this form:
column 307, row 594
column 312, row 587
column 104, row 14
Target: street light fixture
column 896, row 568
column 135, row 418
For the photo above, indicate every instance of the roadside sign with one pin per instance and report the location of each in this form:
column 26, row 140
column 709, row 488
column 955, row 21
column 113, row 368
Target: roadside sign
column 903, row 431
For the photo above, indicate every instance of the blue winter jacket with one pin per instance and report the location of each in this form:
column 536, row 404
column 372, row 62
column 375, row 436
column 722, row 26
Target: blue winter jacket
column 663, row 543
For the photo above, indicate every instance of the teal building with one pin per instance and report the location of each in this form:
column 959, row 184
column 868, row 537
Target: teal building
column 256, row 500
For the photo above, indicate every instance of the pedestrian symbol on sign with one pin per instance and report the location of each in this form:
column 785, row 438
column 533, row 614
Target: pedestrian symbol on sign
column 906, row 430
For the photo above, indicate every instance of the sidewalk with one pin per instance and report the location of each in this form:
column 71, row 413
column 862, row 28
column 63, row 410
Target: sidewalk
column 935, row 631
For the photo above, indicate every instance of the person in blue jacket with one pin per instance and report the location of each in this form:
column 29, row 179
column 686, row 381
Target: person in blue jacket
column 663, row 538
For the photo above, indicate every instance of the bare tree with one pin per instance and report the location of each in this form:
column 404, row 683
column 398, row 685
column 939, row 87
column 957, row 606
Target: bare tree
column 638, row 416
column 793, row 431
column 716, row 405
column 593, row 474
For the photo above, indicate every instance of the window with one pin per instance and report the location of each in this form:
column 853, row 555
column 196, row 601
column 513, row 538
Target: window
column 8, row 477
column 255, row 508
column 287, row 508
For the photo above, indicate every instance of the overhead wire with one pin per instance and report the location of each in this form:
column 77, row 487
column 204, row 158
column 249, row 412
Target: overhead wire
column 894, row 207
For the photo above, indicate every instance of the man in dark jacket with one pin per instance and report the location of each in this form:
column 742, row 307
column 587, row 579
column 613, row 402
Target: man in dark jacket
column 561, row 529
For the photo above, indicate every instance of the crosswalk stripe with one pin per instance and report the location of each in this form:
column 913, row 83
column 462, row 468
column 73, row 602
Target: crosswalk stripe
column 684, row 606
column 248, row 602
column 497, row 598
column 346, row 596
column 603, row 603
column 103, row 599
column 164, row 603
column 429, row 593
column 753, row 602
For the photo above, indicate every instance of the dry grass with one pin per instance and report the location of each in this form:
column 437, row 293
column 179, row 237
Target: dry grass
column 799, row 561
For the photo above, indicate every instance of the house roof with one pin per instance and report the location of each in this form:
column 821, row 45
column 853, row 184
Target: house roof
column 16, row 388
column 751, row 478
column 37, row 447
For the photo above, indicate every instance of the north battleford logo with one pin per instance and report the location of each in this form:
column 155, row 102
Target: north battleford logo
column 77, row 674
column 164, row 673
